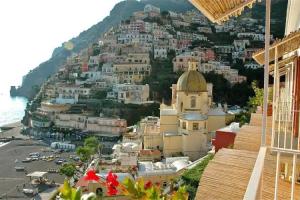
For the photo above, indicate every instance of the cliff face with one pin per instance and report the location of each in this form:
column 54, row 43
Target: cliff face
column 121, row 11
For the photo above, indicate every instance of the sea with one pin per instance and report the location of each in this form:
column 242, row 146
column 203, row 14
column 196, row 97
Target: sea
column 12, row 109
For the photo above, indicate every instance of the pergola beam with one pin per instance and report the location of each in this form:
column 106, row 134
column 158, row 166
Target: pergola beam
column 287, row 45
column 219, row 11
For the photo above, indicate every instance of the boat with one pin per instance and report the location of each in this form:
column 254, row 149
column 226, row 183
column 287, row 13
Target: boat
column 19, row 168
column 30, row 191
column 26, row 160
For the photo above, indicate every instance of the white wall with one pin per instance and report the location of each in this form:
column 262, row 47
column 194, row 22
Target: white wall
column 293, row 16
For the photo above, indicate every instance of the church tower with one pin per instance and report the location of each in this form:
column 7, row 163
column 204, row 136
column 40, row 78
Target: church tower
column 192, row 94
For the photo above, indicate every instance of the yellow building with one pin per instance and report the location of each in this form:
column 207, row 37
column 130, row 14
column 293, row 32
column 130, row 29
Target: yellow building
column 183, row 127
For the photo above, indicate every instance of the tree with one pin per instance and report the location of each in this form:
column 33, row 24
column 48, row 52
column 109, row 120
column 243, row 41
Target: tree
column 192, row 177
column 165, row 14
column 68, row 169
column 100, row 94
column 243, row 90
column 92, row 143
column 221, row 86
column 258, row 98
column 84, row 153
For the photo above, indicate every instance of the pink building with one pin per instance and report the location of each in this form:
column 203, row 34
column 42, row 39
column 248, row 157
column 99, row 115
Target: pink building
column 85, row 67
column 182, row 44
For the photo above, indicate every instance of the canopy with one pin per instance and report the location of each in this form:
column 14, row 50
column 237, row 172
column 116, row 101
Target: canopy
column 285, row 46
column 37, row 174
column 219, row 11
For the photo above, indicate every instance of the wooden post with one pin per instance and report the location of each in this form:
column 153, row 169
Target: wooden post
column 266, row 72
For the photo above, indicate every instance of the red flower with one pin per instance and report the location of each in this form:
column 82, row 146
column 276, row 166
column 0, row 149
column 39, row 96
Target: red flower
column 148, row 185
column 91, row 176
column 112, row 191
column 112, row 179
column 112, row 184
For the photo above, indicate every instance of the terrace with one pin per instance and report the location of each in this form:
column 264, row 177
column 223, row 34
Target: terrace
column 263, row 163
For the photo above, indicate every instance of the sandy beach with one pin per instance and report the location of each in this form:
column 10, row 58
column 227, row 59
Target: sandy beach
column 17, row 150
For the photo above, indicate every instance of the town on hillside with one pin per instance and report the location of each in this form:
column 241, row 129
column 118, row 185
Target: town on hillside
column 150, row 100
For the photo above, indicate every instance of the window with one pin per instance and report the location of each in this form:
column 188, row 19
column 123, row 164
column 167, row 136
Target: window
column 181, row 106
column 183, row 125
column 195, row 126
column 193, row 102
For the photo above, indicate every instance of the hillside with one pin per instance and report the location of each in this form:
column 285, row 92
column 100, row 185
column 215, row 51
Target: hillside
column 121, row 11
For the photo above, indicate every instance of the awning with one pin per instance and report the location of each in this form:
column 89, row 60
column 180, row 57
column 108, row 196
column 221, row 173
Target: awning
column 219, row 11
column 37, row 174
column 285, row 46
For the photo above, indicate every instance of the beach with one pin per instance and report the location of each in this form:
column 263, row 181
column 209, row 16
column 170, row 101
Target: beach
column 11, row 155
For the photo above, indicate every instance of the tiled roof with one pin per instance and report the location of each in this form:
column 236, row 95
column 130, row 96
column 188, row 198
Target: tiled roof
column 227, row 175
column 249, row 136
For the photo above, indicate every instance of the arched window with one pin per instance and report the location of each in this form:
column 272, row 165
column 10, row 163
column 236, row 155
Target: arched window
column 193, row 102
column 183, row 125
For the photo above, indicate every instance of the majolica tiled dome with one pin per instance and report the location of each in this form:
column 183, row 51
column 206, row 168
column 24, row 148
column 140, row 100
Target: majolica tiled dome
column 191, row 81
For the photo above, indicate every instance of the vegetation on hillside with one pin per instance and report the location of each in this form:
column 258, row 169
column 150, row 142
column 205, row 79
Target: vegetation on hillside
column 68, row 169
column 192, row 177
column 91, row 146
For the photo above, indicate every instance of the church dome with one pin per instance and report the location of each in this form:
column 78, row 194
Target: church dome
column 191, row 81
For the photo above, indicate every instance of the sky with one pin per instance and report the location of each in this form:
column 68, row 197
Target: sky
column 31, row 29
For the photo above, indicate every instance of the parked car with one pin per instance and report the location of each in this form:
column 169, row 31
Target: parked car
column 60, row 161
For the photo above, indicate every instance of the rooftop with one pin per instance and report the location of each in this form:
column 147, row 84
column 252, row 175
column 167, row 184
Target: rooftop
column 227, row 174
column 233, row 127
column 169, row 166
column 216, row 111
column 166, row 112
column 193, row 117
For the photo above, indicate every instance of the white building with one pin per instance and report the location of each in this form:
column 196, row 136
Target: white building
column 252, row 66
column 150, row 8
column 126, row 153
column 93, row 61
column 130, row 94
column 204, row 29
column 160, row 52
column 97, row 125
column 129, row 38
column 71, row 94
column 162, row 172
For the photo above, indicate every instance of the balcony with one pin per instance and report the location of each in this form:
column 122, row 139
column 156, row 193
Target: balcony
column 250, row 171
